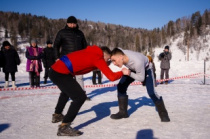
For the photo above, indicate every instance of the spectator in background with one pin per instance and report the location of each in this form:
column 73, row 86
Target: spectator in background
column 68, row 40
column 34, row 54
column 153, row 68
column 11, row 60
column 48, row 59
column 165, row 58
column 1, row 59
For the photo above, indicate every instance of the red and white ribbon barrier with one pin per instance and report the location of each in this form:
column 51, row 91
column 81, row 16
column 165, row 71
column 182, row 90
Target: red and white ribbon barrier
column 197, row 75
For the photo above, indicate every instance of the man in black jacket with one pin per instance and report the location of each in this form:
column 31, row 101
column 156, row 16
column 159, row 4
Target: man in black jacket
column 68, row 40
column 48, row 59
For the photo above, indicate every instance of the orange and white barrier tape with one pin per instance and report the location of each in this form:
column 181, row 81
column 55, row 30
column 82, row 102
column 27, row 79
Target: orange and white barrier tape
column 197, row 75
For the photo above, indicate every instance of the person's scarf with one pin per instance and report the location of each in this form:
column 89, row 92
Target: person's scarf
column 35, row 62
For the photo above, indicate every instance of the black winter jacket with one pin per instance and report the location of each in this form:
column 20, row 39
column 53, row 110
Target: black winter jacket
column 1, row 59
column 11, row 60
column 69, row 40
column 49, row 57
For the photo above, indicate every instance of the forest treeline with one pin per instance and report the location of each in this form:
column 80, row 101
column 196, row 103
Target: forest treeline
column 27, row 26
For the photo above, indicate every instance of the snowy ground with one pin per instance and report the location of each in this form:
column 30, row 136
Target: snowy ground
column 27, row 114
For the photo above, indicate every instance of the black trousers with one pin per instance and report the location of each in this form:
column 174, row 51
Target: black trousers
column 46, row 73
column 7, row 76
column 96, row 72
column 69, row 89
column 34, row 79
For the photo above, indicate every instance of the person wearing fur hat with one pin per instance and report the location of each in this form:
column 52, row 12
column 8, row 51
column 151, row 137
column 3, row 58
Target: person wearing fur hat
column 48, row 59
column 34, row 54
column 165, row 58
column 68, row 40
column 11, row 60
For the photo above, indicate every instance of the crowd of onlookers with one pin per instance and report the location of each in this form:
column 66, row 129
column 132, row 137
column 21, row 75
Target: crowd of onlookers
column 36, row 57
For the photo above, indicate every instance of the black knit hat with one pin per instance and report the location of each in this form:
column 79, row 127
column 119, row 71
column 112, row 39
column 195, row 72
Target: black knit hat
column 49, row 42
column 167, row 47
column 72, row 19
column 6, row 43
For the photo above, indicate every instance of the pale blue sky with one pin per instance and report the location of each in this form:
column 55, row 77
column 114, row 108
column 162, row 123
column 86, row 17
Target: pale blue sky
column 146, row 14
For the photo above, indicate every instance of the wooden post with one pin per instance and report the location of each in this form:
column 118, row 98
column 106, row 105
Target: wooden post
column 204, row 81
column 188, row 50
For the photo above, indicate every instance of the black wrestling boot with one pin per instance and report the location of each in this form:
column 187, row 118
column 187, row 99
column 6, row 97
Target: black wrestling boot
column 162, row 110
column 123, row 106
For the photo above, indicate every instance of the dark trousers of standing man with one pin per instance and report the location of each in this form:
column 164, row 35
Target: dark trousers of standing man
column 46, row 75
column 96, row 72
column 69, row 89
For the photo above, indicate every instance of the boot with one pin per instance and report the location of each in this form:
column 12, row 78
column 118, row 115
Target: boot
column 37, row 81
column 32, row 80
column 162, row 110
column 67, row 130
column 6, row 84
column 57, row 118
column 13, row 84
column 123, row 106
column 45, row 80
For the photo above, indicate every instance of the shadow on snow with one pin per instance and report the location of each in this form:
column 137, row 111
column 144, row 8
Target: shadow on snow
column 145, row 134
column 100, row 91
column 102, row 110
column 4, row 127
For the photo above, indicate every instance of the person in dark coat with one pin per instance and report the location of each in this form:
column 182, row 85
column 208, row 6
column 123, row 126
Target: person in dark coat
column 1, row 59
column 48, row 59
column 165, row 58
column 34, row 54
column 11, row 60
column 68, row 40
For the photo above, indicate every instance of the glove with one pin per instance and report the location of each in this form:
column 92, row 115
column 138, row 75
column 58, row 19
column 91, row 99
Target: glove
column 162, row 55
